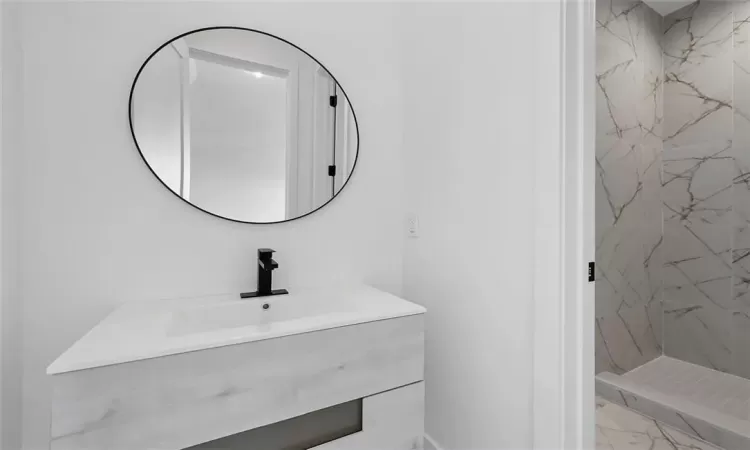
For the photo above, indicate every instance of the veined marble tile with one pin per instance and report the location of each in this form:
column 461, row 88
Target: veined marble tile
column 740, row 320
column 741, row 247
column 628, row 206
column 690, row 384
column 697, row 306
column 655, row 311
column 619, row 428
column 617, row 24
column 741, row 345
column 705, row 403
column 697, row 272
column 617, row 71
column 653, row 262
column 741, row 72
column 651, row 186
column 652, row 239
column 697, row 182
column 673, row 184
column 650, row 99
column 697, row 195
column 704, row 283
column 741, row 154
column 604, row 358
column 698, row 76
column 629, row 338
column 619, row 222
column 650, row 116
column 698, row 333
column 618, row 170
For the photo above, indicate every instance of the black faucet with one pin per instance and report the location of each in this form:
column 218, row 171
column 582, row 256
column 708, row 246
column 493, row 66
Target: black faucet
column 265, row 266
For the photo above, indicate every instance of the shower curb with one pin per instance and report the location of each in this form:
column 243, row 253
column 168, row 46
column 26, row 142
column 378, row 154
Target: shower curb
column 711, row 426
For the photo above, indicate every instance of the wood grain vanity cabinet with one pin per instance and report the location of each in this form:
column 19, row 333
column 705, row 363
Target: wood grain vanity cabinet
column 178, row 400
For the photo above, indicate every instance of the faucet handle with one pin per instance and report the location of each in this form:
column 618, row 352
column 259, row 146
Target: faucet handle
column 265, row 253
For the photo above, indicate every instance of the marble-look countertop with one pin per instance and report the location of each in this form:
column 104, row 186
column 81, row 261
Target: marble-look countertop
column 151, row 329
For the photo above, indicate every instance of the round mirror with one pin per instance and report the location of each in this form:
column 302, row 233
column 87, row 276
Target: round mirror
column 243, row 125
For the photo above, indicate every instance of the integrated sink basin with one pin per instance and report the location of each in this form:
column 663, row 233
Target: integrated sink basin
column 174, row 374
column 264, row 314
column 149, row 329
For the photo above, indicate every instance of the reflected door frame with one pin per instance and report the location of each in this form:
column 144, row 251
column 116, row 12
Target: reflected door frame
column 305, row 187
column 183, row 53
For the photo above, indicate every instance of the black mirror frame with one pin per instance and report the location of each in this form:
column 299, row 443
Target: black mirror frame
column 145, row 161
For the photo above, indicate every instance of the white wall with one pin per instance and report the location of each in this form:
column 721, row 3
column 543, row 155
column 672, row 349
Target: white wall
column 98, row 229
column 469, row 150
column 10, row 203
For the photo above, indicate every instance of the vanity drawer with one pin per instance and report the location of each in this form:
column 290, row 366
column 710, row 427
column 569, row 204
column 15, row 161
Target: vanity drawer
column 174, row 402
column 392, row 420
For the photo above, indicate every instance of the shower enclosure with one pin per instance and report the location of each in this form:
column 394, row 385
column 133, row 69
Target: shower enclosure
column 673, row 214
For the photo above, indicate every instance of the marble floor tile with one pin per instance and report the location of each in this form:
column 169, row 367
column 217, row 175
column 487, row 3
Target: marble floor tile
column 619, row 428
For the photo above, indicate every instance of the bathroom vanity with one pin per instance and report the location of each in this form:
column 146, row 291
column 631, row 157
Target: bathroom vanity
column 250, row 128
column 173, row 374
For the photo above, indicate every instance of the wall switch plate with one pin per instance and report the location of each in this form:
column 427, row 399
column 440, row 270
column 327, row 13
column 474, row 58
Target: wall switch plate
column 412, row 223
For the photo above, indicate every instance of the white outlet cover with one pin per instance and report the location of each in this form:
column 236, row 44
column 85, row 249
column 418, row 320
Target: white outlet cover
column 413, row 225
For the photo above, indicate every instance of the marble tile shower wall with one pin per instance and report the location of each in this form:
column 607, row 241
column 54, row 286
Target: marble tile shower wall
column 706, row 185
column 628, row 205
column 673, row 187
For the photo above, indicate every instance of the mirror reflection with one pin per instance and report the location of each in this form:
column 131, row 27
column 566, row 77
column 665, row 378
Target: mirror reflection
column 243, row 125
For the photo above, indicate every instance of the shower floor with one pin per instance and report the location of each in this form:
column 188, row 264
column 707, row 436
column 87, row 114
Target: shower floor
column 620, row 428
column 705, row 403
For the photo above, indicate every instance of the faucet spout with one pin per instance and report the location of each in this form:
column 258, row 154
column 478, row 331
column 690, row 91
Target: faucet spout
column 268, row 265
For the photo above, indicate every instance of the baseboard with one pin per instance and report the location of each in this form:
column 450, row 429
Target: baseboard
column 430, row 444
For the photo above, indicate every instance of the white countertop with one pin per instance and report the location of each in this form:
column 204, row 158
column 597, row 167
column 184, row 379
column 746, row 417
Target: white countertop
column 150, row 329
